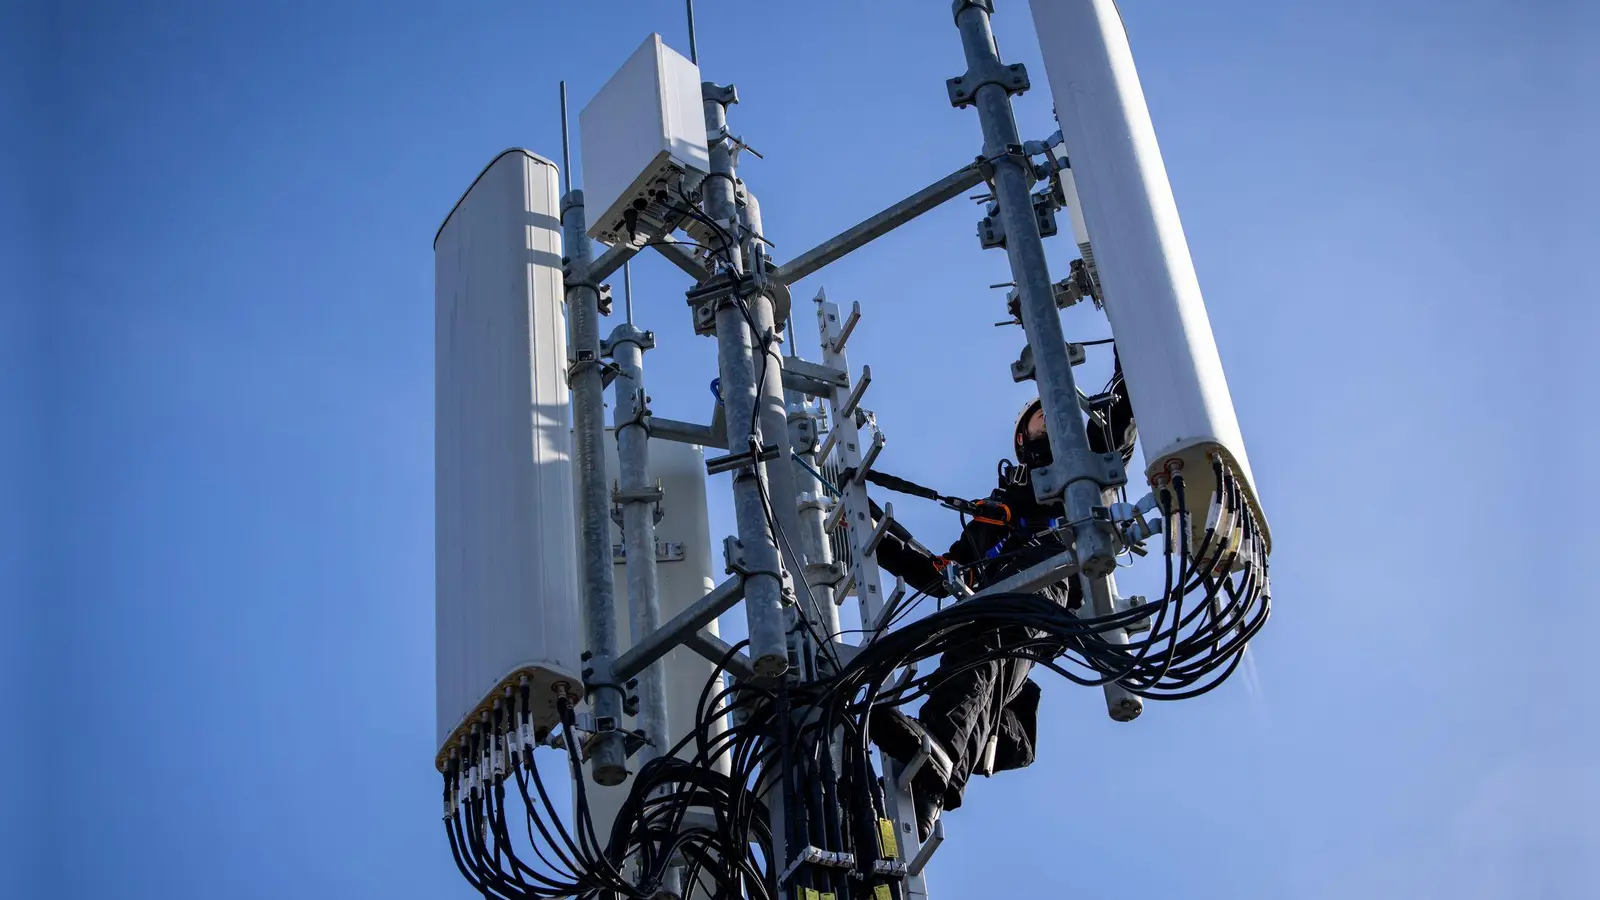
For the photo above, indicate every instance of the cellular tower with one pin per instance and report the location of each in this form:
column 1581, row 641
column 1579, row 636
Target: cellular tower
column 577, row 605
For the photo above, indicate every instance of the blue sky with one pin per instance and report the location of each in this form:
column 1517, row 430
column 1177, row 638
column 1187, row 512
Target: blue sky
column 217, row 364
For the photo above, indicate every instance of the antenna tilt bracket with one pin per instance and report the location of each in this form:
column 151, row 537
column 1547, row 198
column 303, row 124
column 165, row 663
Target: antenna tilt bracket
column 585, row 359
column 1075, row 287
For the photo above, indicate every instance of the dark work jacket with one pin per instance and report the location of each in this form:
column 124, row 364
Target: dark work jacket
column 988, row 551
column 995, row 551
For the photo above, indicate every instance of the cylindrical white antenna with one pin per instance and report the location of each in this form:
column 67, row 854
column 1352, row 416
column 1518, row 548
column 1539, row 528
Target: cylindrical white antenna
column 1152, row 296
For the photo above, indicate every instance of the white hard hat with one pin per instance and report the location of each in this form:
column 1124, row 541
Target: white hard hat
column 1020, row 433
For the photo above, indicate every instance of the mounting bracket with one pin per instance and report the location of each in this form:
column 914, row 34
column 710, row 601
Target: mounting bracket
column 1023, row 368
column 963, row 89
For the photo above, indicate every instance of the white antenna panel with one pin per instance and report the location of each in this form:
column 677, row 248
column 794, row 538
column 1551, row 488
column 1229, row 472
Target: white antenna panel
column 1169, row 356
column 641, row 134
column 506, row 602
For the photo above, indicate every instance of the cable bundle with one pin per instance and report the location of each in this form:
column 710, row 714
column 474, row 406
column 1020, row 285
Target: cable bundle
column 725, row 850
column 704, row 805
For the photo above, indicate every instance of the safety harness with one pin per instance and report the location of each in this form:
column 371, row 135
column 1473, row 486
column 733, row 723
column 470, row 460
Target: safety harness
column 989, row 511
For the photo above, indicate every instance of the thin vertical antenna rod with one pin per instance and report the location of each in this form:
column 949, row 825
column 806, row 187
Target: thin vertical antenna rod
column 566, row 143
column 788, row 334
column 694, row 52
column 627, row 291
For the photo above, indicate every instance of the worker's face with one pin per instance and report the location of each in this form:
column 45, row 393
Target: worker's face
column 1034, row 430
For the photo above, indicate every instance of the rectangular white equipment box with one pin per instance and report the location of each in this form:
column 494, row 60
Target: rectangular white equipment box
column 643, row 131
column 507, row 602
column 1169, row 355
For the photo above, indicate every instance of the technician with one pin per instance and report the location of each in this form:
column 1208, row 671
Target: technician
column 982, row 711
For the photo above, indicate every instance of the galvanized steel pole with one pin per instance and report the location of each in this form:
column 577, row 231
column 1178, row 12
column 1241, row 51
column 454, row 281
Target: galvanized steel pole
column 639, row 499
column 607, row 755
column 1076, row 474
column 738, row 357
column 786, row 482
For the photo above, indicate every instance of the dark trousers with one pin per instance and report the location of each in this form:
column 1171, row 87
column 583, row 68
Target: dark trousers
column 978, row 702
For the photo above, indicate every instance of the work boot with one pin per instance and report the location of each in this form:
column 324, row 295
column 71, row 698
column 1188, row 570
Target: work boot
column 900, row 736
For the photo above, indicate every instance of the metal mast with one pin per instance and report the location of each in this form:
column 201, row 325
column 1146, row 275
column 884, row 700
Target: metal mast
column 1077, row 476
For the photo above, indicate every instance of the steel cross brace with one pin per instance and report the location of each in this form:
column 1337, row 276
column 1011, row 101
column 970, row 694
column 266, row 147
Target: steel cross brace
column 676, row 630
column 836, row 247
